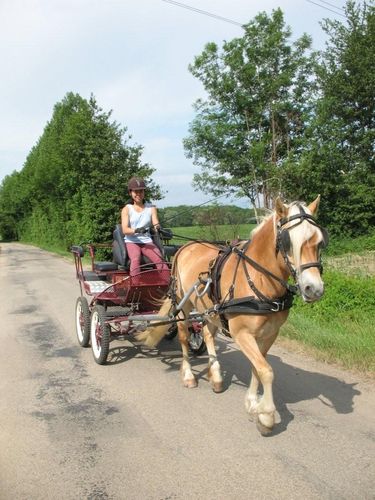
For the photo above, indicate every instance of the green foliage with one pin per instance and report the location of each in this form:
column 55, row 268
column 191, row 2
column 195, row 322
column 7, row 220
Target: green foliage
column 280, row 118
column 338, row 161
column 341, row 246
column 184, row 215
column 340, row 326
column 347, row 297
column 259, row 101
column 73, row 183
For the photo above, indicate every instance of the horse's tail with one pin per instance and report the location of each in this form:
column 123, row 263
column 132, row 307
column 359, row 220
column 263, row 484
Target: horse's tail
column 153, row 335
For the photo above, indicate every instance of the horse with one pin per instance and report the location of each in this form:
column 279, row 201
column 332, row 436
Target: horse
column 245, row 290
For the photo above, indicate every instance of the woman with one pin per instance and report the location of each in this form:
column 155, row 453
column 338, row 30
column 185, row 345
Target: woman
column 137, row 217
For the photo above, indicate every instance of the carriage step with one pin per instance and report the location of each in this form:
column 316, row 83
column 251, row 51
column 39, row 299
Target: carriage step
column 97, row 286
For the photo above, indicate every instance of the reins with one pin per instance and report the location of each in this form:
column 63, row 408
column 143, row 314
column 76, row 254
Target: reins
column 291, row 288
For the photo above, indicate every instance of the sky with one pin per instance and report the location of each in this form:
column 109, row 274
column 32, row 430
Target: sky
column 133, row 56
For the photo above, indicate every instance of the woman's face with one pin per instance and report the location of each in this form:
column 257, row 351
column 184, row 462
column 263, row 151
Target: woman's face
column 137, row 195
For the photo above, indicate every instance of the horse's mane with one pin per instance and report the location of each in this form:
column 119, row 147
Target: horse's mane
column 264, row 219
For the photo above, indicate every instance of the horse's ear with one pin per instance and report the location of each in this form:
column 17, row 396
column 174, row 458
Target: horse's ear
column 281, row 209
column 313, row 207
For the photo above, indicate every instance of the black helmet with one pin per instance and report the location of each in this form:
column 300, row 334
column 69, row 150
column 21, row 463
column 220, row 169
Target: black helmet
column 136, row 183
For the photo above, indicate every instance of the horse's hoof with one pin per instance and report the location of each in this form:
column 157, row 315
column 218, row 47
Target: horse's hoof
column 217, row 386
column 190, row 383
column 265, row 423
column 263, row 429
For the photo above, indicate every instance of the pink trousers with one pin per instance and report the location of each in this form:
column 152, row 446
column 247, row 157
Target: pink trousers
column 150, row 250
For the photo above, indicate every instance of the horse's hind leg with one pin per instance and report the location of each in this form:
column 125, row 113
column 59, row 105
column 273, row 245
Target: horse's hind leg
column 187, row 376
column 214, row 371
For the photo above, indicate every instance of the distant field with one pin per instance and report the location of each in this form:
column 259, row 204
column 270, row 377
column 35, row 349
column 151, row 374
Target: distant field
column 213, row 233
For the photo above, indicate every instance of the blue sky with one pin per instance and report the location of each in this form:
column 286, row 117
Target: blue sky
column 133, row 57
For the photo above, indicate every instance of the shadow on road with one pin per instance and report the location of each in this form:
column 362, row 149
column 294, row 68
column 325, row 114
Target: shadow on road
column 291, row 384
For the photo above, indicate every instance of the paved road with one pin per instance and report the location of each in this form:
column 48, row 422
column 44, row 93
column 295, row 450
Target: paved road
column 71, row 429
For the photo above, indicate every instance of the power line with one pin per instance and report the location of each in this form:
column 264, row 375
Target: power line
column 332, row 5
column 322, row 6
column 204, row 12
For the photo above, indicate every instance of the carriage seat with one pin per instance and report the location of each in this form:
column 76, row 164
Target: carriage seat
column 120, row 255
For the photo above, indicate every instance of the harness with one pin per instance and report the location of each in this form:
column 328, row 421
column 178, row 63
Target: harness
column 260, row 304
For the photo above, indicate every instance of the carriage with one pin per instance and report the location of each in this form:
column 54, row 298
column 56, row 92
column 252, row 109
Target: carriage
column 245, row 289
column 113, row 304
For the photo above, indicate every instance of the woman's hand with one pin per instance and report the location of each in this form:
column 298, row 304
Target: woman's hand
column 140, row 230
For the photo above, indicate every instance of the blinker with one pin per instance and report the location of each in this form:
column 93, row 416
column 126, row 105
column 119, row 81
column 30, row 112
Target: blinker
column 285, row 240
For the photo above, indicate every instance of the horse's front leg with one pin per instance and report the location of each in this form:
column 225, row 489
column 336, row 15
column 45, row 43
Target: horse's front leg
column 252, row 396
column 263, row 408
column 187, row 376
column 214, row 370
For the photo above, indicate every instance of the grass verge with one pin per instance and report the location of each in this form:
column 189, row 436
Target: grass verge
column 340, row 328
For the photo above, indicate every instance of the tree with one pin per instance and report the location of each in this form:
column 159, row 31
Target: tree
column 259, row 100
column 74, row 179
column 339, row 160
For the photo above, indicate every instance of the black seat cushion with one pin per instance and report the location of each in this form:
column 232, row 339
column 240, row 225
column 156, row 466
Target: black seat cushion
column 105, row 266
column 120, row 256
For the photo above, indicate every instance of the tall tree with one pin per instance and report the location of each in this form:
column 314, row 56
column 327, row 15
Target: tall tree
column 259, row 100
column 77, row 174
column 339, row 160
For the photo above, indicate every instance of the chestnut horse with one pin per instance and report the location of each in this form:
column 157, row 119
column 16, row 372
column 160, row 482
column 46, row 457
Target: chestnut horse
column 244, row 289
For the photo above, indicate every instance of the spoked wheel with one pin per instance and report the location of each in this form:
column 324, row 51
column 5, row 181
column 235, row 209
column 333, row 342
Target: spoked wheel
column 100, row 335
column 83, row 322
column 196, row 342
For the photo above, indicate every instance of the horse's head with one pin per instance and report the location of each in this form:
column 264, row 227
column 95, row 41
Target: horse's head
column 300, row 239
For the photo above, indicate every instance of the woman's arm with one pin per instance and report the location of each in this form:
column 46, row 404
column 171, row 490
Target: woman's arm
column 155, row 218
column 125, row 222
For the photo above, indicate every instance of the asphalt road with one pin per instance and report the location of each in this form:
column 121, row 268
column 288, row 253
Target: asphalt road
column 71, row 429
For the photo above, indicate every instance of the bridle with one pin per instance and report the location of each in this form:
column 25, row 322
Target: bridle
column 283, row 241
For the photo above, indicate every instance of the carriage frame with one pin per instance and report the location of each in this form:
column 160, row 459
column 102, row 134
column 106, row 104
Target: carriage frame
column 113, row 304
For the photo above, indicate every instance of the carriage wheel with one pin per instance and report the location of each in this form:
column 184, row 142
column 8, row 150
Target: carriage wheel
column 196, row 342
column 197, row 345
column 100, row 335
column 83, row 322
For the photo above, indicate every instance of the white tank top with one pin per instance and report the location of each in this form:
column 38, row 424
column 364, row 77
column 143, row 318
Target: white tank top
column 139, row 219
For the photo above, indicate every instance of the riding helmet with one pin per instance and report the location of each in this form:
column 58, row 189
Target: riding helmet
column 136, row 183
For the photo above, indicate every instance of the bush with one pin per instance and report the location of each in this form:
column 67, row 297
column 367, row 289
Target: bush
column 351, row 245
column 345, row 297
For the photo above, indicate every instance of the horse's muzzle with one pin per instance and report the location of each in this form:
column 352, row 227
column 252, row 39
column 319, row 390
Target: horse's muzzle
column 312, row 291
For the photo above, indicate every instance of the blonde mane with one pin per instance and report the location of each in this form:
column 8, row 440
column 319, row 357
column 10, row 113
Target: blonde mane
column 265, row 219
